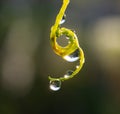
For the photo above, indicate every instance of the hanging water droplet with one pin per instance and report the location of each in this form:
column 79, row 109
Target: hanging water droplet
column 68, row 73
column 73, row 56
column 55, row 85
column 63, row 19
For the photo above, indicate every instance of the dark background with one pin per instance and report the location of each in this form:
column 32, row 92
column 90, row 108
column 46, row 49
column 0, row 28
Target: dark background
column 27, row 59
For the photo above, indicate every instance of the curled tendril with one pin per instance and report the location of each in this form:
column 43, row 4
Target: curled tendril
column 69, row 50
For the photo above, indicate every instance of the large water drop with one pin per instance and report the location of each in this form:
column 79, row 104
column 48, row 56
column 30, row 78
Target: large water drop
column 55, row 85
column 73, row 56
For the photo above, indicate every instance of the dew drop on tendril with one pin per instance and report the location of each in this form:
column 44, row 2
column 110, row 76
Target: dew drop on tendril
column 55, row 85
column 63, row 19
column 68, row 73
column 73, row 56
column 65, row 44
column 77, row 66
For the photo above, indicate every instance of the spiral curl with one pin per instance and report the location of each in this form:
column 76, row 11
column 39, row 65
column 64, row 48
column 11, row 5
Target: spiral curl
column 73, row 45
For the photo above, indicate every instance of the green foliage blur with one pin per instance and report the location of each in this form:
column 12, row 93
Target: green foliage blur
column 27, row 59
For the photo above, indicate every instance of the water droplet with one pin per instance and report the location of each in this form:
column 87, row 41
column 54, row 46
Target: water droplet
column 55, row 85
column 77, row 66
column 63, row 19
column 67, row 38
column 73, row 56
column 73, row 30
column 68, row 73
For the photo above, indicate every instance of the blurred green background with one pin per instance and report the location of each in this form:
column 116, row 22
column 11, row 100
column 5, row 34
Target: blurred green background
column 27, row 59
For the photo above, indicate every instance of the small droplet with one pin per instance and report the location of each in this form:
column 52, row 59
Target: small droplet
column 73, row 56
column 55, row 85
column 68, row 73
column 77, row 66
column 73, row 30
column 67, row 38
column 63, row 19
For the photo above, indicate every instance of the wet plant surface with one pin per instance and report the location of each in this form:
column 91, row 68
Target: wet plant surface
column 71, row 53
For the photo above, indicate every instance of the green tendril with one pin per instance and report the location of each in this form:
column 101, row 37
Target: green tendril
column 72, row 52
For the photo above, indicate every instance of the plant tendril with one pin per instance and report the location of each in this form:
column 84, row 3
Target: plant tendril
column 72, row 52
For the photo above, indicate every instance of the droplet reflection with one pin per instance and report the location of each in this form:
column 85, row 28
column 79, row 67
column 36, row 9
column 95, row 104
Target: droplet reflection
column 73, row 56
column 77, row 66
column 55, row 85
column 63, row 19
column 68, row 73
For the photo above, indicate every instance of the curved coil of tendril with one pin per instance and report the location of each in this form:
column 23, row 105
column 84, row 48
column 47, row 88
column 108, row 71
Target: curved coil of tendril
column 72, row 52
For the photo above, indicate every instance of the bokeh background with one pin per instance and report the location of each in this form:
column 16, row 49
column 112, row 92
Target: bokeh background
column 27, row 59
